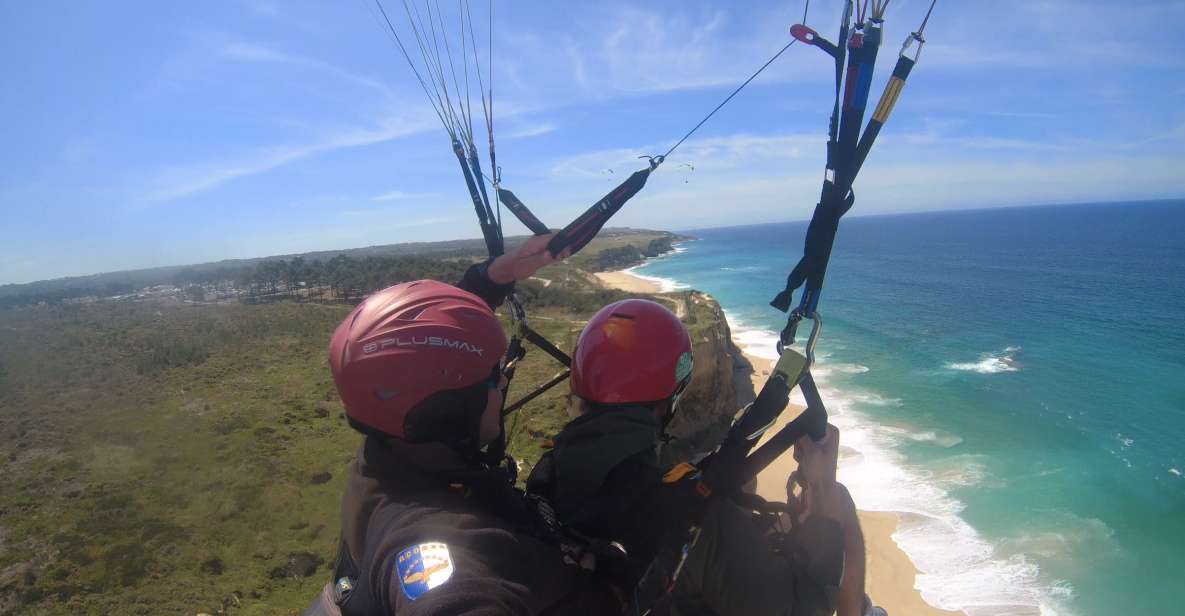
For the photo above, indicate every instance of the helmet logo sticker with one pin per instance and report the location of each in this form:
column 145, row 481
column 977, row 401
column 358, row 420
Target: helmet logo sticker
column 423, row 567
column 436, row 341
column 683, row 368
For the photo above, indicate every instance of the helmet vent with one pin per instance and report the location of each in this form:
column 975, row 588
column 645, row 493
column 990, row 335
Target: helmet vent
column 622, row 315
column 385, row 394
column 412, row 314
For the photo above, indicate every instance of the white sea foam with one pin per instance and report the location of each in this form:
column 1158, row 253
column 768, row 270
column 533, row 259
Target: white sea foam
column 747, row 269
column 957, row 568
column 753, row 340
column 826, row 370
column 1174, row 471
column 942, row 439
column 665, row 285
column 991, row 363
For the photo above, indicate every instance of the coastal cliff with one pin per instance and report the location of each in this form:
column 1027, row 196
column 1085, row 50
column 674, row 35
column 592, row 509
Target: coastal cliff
column 707, row 407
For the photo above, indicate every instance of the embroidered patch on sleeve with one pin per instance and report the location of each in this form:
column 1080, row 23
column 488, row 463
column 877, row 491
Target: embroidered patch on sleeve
column 423, row 567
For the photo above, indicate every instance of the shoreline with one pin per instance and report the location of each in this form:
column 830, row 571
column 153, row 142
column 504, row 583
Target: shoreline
column 623, row 280
column 890, row 575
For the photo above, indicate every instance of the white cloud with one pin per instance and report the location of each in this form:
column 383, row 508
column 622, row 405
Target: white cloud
column 1175, row 135
column 182, row 182
column 533, row 130
column 258, row 53
column 628, row 50
column 707, row 155
column 399, row 195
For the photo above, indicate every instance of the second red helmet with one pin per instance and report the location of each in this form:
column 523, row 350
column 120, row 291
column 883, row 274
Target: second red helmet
column 634, row 351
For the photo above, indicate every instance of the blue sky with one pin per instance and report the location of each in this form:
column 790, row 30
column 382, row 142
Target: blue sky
column 141, row 134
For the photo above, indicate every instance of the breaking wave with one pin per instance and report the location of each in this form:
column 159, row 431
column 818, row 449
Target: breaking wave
column 991, row 363
column 665, row 285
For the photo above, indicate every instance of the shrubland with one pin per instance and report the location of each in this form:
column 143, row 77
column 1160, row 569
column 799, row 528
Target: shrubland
column 173, row 456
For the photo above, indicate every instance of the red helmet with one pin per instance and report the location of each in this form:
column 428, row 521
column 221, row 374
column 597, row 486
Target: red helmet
column 408, row 342
column 632, row 352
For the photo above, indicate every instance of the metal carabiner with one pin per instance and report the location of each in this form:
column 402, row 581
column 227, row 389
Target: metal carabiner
column 914, row 36
column 654, row 161
column 787, row 336
column 816, row 328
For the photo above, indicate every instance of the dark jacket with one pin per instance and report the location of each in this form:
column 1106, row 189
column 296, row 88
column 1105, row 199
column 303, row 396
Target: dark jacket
column 455, row 539
column 603, row 479
column 454, row 542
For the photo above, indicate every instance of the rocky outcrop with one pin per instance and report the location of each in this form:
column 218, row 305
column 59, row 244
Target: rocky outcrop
column 629, row 255
column 710, row 402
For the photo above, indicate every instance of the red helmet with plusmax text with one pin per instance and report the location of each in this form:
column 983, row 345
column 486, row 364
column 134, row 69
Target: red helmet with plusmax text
column 408, row 342
column 632, row 352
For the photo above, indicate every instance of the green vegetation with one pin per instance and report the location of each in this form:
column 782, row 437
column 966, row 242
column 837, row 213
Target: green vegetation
column 341, row 274
column 175, row 457
column 620, row 249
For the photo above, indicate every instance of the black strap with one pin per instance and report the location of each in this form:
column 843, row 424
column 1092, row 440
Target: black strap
column 861, row 62
column 581, row 231
column 725, row 471
column 489, row 226
column 812, row 421
column 538, row 391
column 547, row 347
column 521, row 212
column 487, row 212
column 884, row 107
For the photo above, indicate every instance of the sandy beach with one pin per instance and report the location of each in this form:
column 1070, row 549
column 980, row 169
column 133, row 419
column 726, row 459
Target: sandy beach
column 628, row 282
column 890, row 575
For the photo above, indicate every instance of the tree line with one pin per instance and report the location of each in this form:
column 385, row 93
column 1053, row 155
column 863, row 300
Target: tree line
column 341, row 278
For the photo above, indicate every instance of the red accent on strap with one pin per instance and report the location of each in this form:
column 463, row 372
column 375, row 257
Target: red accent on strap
column 804, row 34
column 703, row 489
column 850, row 84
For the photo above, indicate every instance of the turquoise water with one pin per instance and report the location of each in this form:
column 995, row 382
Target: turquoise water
column 1013, row 379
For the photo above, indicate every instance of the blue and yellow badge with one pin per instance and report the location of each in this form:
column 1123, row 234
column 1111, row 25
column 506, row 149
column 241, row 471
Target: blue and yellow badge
column 423, row 567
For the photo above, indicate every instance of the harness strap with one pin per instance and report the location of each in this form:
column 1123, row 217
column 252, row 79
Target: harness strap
column 547, row 346
column 581, row 231
column 539, row 391
column 888, row 100
column 521, row 212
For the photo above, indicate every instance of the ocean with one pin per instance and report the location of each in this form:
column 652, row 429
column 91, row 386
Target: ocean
column 1011, row 380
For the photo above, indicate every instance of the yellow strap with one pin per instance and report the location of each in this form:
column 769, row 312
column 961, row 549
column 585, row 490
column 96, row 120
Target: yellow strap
column 679, row 471
column 888, row 100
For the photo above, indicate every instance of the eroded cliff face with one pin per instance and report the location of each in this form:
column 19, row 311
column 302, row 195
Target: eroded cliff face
column 710, row 402
column 630, row 255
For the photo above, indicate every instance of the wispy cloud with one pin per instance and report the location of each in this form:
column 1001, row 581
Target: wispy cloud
column 534, row 130
column 707, row 155
column 1036, row 36
column 180, row 182
column 241, row 51
column 632, row 50
column 1175, row 134
column 399, row 195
